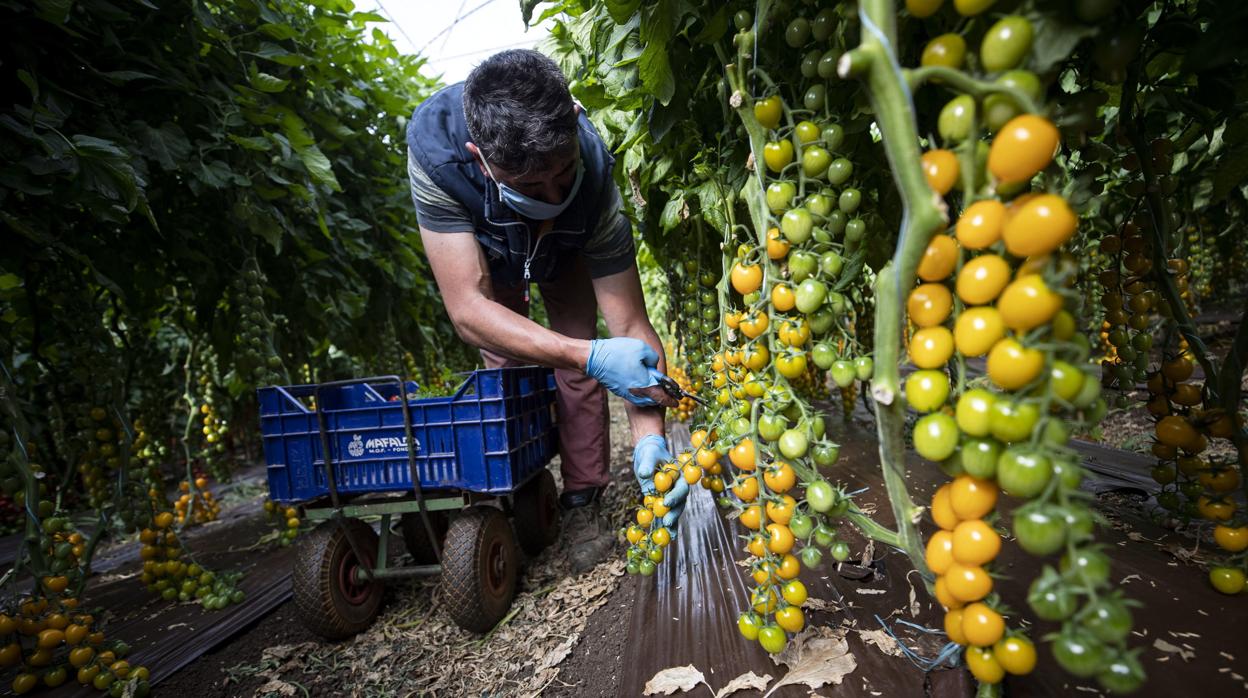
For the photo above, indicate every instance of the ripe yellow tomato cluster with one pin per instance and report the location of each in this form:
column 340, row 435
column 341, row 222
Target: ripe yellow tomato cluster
column 51, row 638
column 648, row 537
column 685, row 409
column 287, row 519
column 201, row 505
column 995, row 287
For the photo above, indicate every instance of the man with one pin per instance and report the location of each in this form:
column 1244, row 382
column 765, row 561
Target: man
column 512, row 186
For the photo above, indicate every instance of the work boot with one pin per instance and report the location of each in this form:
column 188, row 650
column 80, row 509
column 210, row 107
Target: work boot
column 586, row 534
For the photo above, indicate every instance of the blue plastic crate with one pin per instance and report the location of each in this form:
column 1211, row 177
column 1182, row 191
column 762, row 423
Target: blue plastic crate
column 489, row 436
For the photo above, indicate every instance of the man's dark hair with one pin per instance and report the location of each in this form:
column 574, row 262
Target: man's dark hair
column 519, row 111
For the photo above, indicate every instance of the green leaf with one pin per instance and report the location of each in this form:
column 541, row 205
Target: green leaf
column 54, row 10
column 257, row 143
column 166, row 145
column 1231, row 173
column 715, row 27
column 1054, row 41
column 656, row 73
column 674, row 212
column 319, row 167
column 621, row 10
column 267, row 83
column 9, row 281
column 279, row 31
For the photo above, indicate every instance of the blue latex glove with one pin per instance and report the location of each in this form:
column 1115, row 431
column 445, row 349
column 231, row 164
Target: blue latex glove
column 620, row 363
column 649, row 452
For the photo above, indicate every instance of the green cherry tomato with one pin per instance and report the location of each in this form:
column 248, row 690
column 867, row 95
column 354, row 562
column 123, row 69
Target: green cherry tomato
column 1065, row 380
column 772, row 638
column 742, row 20
column 823, row 354
column 1040, row 528
column 771, row 426
column 819, row 204
column 802, row 264
column 974, row 412
column 825, row 535
column 970, row 8
column 769, row 111
column 927, row 390
column 820, row 496
column 839, row 171
column 823, row 25
column 1000, row 108
column 947, row 50
column 1005, row 44
column 1056, row 432
column 797, row 224
column 806, row 132
column 801, row 525
column 825, row 453
column 810, row 295
column 814, row 97
column 864, row 366
column 1024, row 473
column 833, row 136
column 827, row 65
column 811, row 557
column 810, row 64
column 1086, row 565
column 1013, row 421
column 1050, row 599
column 793, row 444
column 1108, row 619
column 979, row 457
column 779, row 194
column 646, row 567
column 1122, row 674
column 836, row 221
column 849, row 201
column 830, row 265
column 748, row 624
column 956, row 118
column 797, row 33
column 815, row 161
column 1079, row 653
column 839, row 551
column 855, row 230
column 935, row 436
column 843, row 373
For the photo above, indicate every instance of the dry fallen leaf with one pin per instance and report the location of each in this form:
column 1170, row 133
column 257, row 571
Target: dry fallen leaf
column 816, row 660
column 1167, row 647
column 887, row 644
column 276, row 686
column 744, row 681
column 672, row 679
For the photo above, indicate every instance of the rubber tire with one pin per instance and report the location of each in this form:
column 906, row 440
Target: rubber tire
column 479, row 568
column 417, row 540
column 320, row 600
column 536, row 509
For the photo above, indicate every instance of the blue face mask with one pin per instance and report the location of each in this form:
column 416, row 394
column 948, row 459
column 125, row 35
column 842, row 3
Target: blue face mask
column 536, row 209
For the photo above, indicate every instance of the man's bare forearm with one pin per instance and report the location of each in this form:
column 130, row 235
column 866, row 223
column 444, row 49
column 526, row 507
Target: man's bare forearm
column 489, row 325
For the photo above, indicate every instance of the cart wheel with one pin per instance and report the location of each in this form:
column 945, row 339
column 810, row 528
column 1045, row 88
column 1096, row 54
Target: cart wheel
column 537, row 513
column 417, row 540
column 332, row 598
column 479, row 568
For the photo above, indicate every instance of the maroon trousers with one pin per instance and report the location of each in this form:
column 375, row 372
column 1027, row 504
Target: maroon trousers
column 581, row 401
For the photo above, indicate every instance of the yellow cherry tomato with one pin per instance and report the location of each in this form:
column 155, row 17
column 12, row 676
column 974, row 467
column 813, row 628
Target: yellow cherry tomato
column 1027, row 303
column 982, row 279
column 929, row 304
column 1023, row 147
column 1012, row 366
column 931, row 347
column 939, row 552
column 984, row 665
column 982, row 625
column 977, row 330
column 980, row 225
column 746, row 278
column 940, row 167
column 939, row 259
column 1016, row 654
column 1039, row 226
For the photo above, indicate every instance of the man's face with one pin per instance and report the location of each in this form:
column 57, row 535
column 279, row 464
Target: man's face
column 550, row 184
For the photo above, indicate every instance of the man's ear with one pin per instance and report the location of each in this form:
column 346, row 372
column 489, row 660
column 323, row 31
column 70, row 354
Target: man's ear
column 476, row 153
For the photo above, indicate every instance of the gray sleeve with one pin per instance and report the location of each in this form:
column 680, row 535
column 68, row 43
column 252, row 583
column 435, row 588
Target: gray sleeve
column 436, row 210
column 610, row 247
